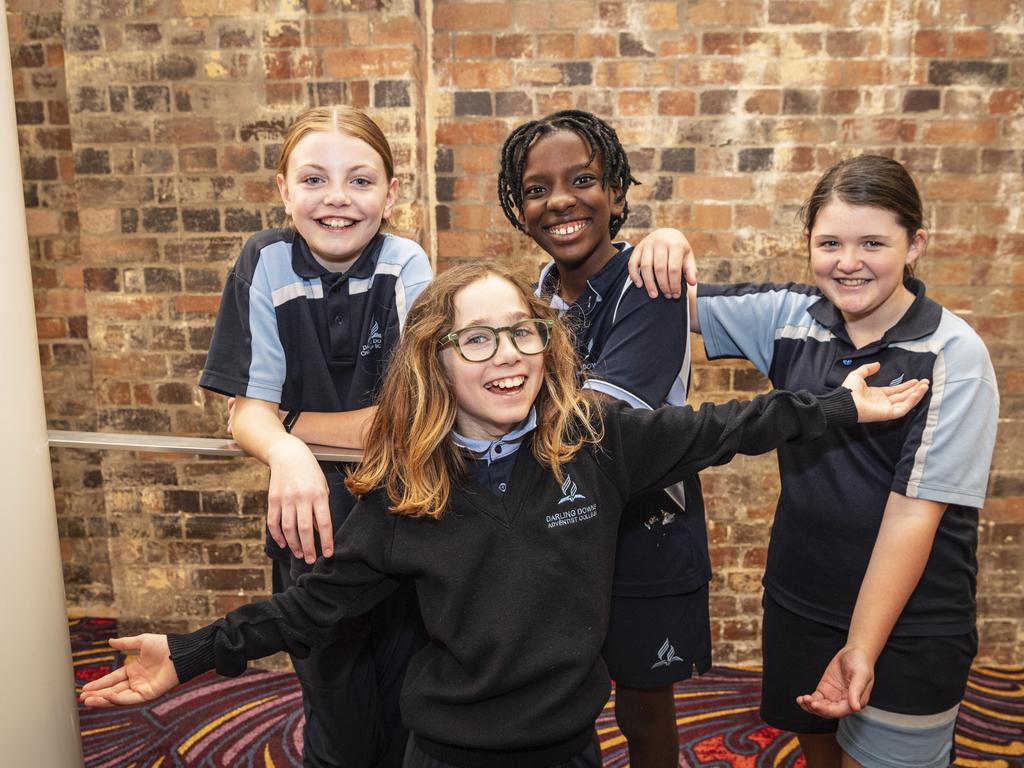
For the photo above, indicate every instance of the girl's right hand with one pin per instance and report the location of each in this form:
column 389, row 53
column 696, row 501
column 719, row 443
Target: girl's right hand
column 298, row 500
column 883, row 403
column 143, row 679
column 662, row 260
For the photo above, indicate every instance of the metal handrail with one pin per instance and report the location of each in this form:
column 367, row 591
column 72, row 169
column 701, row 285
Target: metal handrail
column 195, row 446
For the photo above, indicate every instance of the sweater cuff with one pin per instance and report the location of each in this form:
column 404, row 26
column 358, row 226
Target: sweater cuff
column 193, row 654
column 839, row 408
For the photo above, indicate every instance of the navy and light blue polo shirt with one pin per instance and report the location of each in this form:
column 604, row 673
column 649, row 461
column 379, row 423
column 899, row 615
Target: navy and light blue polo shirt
column 636, row 349
column 289, row 331
column 834, row 489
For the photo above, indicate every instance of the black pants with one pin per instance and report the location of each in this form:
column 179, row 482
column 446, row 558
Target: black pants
column 588, row 758
column 350, row 689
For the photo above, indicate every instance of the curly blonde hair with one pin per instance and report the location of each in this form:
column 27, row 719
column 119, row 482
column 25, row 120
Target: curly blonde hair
column 409, row 448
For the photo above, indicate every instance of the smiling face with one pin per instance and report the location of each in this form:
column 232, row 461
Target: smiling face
column 858, row 255
column 337, row 193
column 565, row 208
column 495, row 395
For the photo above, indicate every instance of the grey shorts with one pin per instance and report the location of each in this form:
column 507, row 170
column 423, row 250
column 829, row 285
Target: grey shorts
column 876, row 738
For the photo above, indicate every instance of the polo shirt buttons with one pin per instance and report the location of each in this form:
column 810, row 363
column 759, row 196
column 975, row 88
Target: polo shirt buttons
column 502, row 487
column 848, row 362
column 339, row 320
column 497, row 449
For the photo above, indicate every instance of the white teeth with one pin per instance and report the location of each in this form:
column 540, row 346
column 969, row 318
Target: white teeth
column 509, row 383
column 567, row 229
column 852, row 281
column 337, row 223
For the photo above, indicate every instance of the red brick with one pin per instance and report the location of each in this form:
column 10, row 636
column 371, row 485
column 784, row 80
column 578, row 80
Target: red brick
column 956, row 132
column 205, row 305
column 677, row 103
column 485, row 74
column 714, row 187
column 634, row 103
column 930, row 42
column 513, row 46
column 1004, row 102
column 970, row 45
column 474, row 46
column 557, row 46
column 715, row 13
column 593, row 46
column 463, row 132
column 721, row 43
column 466, row 16
column 367, row 62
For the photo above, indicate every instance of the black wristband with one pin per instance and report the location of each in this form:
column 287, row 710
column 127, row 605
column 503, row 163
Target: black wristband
column 290, row 419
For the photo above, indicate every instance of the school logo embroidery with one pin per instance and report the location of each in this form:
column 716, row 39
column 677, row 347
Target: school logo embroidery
column 374, row 340
column 573, row 515
column 663, row 517
column 666, row 655
column 897, row 381
column 569, row 489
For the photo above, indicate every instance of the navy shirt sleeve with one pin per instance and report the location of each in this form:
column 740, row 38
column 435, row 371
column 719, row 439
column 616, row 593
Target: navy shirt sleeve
column 643, row 354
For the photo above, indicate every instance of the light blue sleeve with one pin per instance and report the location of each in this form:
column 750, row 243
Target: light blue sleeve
column 949, row 460
column 267, row 367
column 746, row 319
column 411, row 267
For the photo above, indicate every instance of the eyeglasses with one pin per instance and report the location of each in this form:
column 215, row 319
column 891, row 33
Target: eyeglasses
column 479, row 343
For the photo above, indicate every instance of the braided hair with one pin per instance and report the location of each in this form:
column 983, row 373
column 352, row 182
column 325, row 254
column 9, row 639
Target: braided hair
column 602, row 140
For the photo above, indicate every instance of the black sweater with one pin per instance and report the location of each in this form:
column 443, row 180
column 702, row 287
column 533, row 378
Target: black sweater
column 515, row 591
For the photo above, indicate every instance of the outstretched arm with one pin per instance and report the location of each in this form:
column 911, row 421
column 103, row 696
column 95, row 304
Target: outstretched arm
column 142, row 679
column 662, row 261
column 340, row 429
column 897, row 562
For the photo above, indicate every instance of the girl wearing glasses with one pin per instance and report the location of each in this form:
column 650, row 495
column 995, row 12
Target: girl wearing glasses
column 512, row 558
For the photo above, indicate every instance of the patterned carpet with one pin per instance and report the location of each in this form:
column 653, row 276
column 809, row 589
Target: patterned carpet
column 255, row 721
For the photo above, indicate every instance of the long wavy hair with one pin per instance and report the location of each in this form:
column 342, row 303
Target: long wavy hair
column 409, row 448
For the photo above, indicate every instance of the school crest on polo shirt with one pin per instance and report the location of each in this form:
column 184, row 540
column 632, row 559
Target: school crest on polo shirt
column 374, row 339
column 571, row 515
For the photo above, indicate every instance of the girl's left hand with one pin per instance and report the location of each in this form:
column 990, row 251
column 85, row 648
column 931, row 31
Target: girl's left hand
column 844, row 688
column 142, row 679
column 662, row 260
column 883, row 403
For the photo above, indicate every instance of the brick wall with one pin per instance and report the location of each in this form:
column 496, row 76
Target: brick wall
column 149, row 131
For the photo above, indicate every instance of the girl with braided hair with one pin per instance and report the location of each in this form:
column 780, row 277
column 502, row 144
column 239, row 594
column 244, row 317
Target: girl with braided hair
column 564, row 181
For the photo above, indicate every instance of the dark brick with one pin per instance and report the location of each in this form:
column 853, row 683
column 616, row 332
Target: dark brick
column 235, row 37
column 92, row 479
column 967, row 72
column 181, row 501
column 576, row 72
column 327, row 94
column 262, row 130
column 717, row 102
column 393, row 93
column 201, row 219
column 84, row 37
column 444, row 160
column 160, row 219
column 41, row 26
column 242, row 220
column 175, row 66
column 276, row 217
column 88, row 160
column 30, row 112
column 25, row 56
column 118, row 98
column 229, row 579
column 161, row 280
column 240, row 159
column 443, row 216
column 958, row 159
column 445, row 187
column 642, row 159
column 630, row 46
column 152, row 160
column 198, row 159
column 58, row 111
column 225, row 554
column 31, row 195
column 796, row 102
column 138, row 420
column 285, row 35
column 129, row 220
column 143, row 34
column 182, row 100
column 679, row 160
column 998, row 160
column 88, row 99
column 219, row 502
column 199, row 338
column 151, row 98
column 472, row 103
column 104, row 279
column 512, row 103
column 640, row 217
column 203, row 280
column 192, row 38
column 174, row 393
column 54, row 138
column 70, row 354
column 663, row 188
column 921, row 100
column 39, row 168
column 755, row 159
column 271, row 155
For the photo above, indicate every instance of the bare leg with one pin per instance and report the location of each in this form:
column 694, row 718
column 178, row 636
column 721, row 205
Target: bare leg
column 821, row 750
column 647, row 718
column 849, row 762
